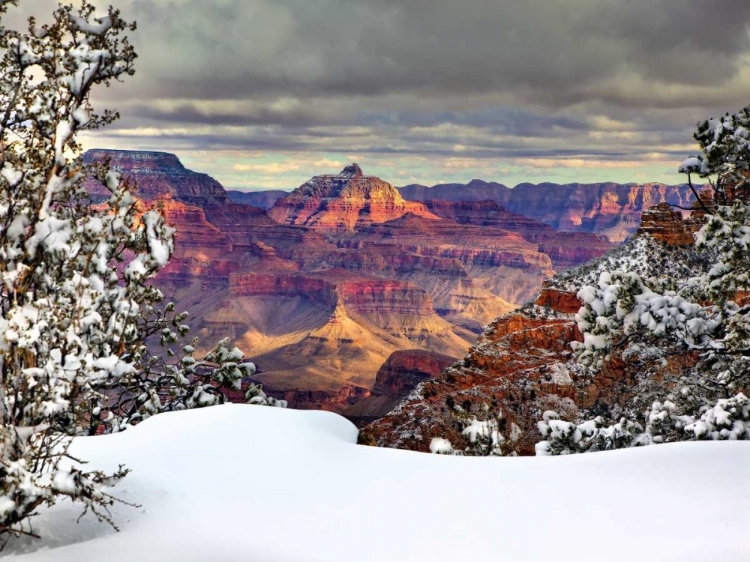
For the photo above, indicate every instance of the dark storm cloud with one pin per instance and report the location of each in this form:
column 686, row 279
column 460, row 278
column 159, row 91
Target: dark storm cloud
column 237, row 48
column 499, row 120
column 189, row 113
column 553, row 54
column 604, row 80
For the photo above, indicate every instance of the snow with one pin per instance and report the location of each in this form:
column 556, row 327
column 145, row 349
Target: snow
column 160, row 250
column 102, row 25
column 440, row 446
column 241, row 482
column 691, row 165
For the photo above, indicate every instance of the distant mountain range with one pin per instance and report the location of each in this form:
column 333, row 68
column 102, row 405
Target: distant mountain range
column 263, row 199
column 607, row 209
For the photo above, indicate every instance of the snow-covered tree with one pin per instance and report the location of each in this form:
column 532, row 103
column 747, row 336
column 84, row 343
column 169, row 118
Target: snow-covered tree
column 723, row 157
column 727, row 419
column 483, row 438
column 704, row 314
column 707, row 314
column 76, row 309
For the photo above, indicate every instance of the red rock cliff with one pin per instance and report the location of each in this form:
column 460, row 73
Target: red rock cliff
column 404, row 370
column 344, row 201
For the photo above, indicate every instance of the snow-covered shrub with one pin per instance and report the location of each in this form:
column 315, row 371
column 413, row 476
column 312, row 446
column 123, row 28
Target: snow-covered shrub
column 622, row 310
column 482, row 437
column 728, row 419
column 157, row 386
column 254, row 395
column 722, row 160
column 76, row 308
column 565, row 438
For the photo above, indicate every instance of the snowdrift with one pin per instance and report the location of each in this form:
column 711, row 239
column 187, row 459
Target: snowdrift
column 252, row 483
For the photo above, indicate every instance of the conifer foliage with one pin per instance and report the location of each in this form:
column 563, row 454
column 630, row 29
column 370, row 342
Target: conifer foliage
column 76, row 310
column 706, row 315
column 484, row 437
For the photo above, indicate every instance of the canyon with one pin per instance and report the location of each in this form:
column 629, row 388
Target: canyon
column 523, row 363
column 328, row 286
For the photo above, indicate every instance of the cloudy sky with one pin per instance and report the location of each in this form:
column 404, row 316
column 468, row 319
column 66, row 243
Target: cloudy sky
column 266, row 93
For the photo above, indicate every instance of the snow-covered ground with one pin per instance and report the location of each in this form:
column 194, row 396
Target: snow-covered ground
column 265, row 484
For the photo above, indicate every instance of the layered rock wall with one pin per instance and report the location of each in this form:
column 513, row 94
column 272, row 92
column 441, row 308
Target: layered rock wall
column 370, row 297
column 247, row 284
column 155, row 175
column 344, row 201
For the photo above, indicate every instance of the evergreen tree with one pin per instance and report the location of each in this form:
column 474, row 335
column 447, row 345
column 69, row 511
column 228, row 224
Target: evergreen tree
column 76, row 308
column 707, row 314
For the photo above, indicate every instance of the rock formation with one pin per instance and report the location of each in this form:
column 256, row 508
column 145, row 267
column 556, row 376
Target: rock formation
column 396, row 379
column 404, row 370
column 669, row 226
column 344, row 201
column 157, row 174
column 263, row 199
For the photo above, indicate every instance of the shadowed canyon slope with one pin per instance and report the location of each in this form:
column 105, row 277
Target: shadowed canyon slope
column 324, row 288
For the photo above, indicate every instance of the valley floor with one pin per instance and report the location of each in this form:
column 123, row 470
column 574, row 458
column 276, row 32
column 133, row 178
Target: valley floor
column 242, row 482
